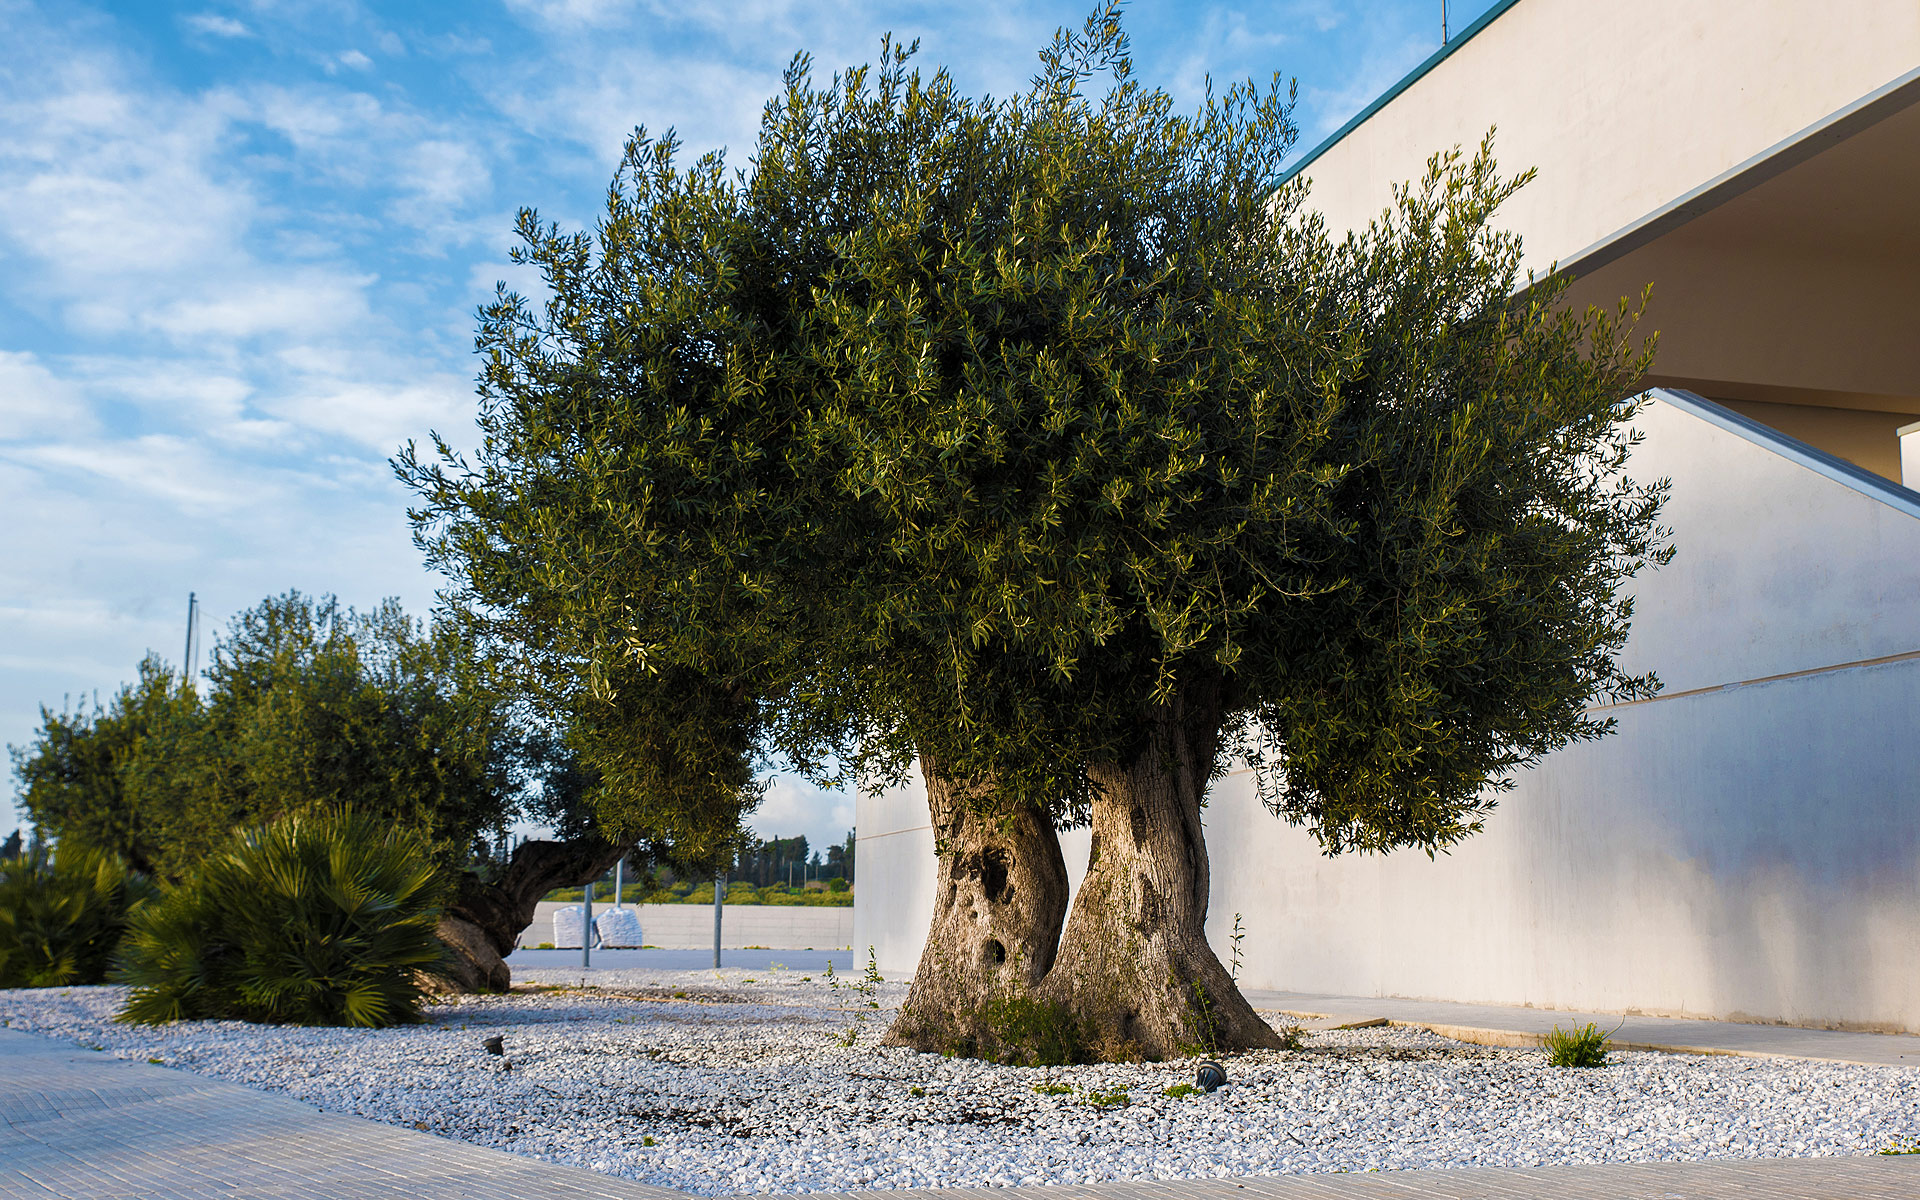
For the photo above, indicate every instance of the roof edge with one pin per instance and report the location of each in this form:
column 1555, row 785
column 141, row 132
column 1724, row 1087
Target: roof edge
column 1412, row 77
column 1887, row 100
column 1818, row 461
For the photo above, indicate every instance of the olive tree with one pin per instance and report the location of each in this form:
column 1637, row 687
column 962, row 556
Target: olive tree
column 1047, row 442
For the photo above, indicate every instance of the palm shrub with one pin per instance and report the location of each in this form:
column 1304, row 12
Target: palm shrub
column 61, row 916
column 313, row 920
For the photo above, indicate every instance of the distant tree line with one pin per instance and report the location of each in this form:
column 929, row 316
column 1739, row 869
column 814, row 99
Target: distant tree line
column 789, row 861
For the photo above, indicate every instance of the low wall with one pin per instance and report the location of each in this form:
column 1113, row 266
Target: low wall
column 690, row 926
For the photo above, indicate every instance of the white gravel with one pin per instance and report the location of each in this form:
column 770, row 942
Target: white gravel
column 741, row 1083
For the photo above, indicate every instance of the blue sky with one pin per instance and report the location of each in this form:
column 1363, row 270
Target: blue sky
column 243, row 244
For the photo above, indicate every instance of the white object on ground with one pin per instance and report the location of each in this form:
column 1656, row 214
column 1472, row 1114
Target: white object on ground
column 618, row 927
column 744, row 1083
column 568, row 924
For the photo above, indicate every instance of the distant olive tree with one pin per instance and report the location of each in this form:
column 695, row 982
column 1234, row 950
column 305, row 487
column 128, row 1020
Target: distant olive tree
column 310, row 706
column 307, row 704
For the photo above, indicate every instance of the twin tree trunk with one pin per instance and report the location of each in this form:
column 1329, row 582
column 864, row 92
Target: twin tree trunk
column 999, row 901
column 484, row 919
column 1133, row 966
column 1134, row 963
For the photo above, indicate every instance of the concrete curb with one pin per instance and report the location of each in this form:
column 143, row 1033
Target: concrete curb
column 1520, row 1039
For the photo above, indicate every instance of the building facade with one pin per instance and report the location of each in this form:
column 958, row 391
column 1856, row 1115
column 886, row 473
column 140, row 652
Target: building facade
column 1747, row 845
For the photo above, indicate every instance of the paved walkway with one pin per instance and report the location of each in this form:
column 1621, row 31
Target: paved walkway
column 1496, row 1025
column 76, row 1125
column 79, row 1125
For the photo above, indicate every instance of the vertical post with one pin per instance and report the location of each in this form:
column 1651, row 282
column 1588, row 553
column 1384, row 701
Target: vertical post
column 619, row 881
column 719, row 901
column 586, row 926
column 187, row 655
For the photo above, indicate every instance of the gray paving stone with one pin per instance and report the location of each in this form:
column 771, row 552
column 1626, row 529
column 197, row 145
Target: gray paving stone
column 83, row 1126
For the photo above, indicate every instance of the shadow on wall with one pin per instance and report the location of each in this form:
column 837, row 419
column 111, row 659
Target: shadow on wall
column 1773, row 876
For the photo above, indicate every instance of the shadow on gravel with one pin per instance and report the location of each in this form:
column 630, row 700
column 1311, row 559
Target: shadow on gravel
column 1404, row 1054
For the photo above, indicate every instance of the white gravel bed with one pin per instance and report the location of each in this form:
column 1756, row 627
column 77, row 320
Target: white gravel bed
column 743, row 1083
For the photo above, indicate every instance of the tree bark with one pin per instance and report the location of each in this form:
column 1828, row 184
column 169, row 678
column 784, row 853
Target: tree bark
column 1134, row 963
column 999, row 900
column 483, row 922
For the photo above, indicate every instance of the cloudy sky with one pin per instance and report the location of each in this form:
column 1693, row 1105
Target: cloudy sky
column 243, row 244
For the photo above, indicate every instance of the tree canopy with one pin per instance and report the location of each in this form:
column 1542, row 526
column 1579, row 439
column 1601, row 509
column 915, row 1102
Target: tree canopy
column 308, row 705
column 1048, row 440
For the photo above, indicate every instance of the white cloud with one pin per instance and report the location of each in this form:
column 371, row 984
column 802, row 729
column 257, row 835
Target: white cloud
column 707, row 70
column 794, row 806
column 306, row 302
column 161, row 467
column 353, row 60
column 215, row 25
column 590, row 14
column 34, row 401
column 445, row 173
column 379, row 414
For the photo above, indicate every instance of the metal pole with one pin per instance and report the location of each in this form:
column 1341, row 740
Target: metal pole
column 619, row 882
column 586, row 927
column 1443, row 22
column 187, row 655
column 719, row 899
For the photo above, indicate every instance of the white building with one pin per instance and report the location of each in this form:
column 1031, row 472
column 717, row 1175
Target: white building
column 1747, row 846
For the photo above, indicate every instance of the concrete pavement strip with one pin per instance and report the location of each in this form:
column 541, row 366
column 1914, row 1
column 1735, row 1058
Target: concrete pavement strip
column 1503, row 1025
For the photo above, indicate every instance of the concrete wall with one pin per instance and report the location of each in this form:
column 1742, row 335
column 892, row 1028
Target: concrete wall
column 1684, row 92
column 690, row 926
column 1744, row 847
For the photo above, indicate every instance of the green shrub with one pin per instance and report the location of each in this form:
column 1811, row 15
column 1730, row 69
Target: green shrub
column 1022, row 1031
column 1585, row 1046
column 836, row 884
column 319, row 920
column 61, row 918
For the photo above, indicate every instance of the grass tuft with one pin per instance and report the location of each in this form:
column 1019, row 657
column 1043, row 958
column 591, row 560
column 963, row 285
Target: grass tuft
column 1585, row 1046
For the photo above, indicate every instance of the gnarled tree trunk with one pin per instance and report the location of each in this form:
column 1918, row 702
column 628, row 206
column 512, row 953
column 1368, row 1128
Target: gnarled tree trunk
column 484, row 920
column 1134, row 964
column 999, row 900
